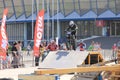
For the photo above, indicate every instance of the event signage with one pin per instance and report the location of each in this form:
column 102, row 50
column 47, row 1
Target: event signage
column 39, row 28
column 3, row 36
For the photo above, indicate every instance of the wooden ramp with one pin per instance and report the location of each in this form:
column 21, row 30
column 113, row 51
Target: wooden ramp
column 64, row 59
column 112, row 68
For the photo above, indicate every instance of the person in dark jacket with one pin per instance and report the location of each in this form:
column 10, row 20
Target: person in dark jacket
column 71, row 33
column 15, row 61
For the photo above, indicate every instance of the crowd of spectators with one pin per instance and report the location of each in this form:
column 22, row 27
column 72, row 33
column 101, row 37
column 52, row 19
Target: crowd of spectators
column 44, row 49
column 94, row 46
column 16, row 52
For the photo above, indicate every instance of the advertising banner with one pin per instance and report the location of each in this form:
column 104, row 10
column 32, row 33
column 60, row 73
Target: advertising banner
column 38, row 32
column 3, row 36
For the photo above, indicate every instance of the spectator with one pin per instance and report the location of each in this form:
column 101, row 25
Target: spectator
column 91, row 47
column 15, row 61
column 97, row 46
column 37, row 58
column 8, row 60
column 52, row 46
column 42, row 51
column 28, row 49
column 114, row 48
column 114, row 51
column 20, row 53
column 82, row 46
column 6, row 63
column 20, row 47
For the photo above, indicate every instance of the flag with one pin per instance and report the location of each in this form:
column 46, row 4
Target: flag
column 3, row 36
column 39, row 28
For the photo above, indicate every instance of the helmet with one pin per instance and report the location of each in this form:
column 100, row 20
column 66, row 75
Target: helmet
column 71, row 23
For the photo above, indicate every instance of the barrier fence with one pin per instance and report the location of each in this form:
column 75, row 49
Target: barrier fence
column 27, row 59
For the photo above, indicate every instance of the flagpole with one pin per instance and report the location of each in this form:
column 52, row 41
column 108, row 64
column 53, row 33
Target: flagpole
column 32, row 29
column 32, row 18
column 42, row 4
column 37, row 6
column 58, row 26
column 1, row 67
column 48, row 21
column 52, row 19
column 43, row 8
column 96, row 13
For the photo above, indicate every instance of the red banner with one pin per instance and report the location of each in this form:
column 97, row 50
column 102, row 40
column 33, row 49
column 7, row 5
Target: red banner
column 100, row 23
column 3, row 36
column 39, row 27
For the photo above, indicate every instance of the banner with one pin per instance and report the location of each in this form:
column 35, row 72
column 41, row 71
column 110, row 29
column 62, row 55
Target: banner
column 38, row 32
column 3, row 36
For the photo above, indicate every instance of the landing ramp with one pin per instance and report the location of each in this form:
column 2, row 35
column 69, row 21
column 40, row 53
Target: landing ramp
column 64, row 59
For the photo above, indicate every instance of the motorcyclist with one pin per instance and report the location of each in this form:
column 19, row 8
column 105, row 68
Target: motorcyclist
column 72, row 29
column 71, row 33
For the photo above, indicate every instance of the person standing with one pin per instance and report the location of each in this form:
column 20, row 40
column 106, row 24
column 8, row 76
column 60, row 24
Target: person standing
column 28, row 50
column 114, row 52
column 114, row 49
column 15, row 61
column 117, row 61
column 97, row 46
column 37, row 59
column 82, row 46
column 20, row 53
column 91, row 47
column 52, row 46
column 42, row 51
column 6, row 62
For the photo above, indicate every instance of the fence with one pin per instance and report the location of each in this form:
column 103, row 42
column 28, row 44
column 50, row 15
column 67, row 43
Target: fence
column 28, row 60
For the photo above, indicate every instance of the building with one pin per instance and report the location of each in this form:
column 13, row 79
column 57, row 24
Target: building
column 93, row 17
